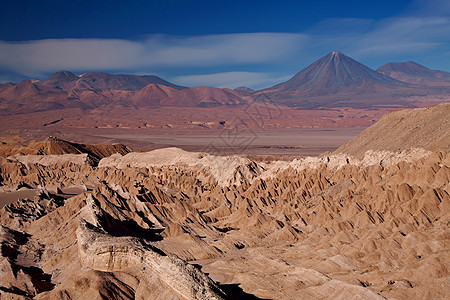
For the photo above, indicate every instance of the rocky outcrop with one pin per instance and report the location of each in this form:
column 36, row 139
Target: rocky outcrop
column 99, row 251
column 224, row 170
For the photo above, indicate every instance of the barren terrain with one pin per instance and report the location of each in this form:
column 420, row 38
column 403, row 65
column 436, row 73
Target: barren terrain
column 191, row 225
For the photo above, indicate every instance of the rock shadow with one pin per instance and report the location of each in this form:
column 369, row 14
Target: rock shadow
column 232, row 291
column 129, row 227
column 235, row 292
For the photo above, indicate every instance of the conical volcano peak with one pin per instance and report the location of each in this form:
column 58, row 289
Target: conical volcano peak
column 336, row 56
column 335, row 53
column 334, row 73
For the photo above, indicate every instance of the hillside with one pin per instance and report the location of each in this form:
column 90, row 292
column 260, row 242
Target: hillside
column 427, row 128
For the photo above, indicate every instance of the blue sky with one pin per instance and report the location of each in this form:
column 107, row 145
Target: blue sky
column 217, row 43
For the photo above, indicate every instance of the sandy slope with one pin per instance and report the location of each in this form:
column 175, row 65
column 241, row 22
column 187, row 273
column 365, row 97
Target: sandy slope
column 427, row 128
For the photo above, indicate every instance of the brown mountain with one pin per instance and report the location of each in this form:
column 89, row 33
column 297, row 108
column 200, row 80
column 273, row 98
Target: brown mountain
column 244, row 91
column 414, row 73
column 152, row 94
column 97, row 81
column 92, row 90
column 103, row 81
column 203, row 96
column 62, row 79
column 67, row 90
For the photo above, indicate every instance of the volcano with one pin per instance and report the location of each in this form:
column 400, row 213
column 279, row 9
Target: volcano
column 333, row 73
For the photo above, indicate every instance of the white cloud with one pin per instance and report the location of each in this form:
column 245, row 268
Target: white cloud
column 430, row 8
column 35, row 57
column 404, row 35
column 231, row 79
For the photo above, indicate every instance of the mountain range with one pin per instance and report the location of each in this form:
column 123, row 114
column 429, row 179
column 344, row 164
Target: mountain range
column 335, row 80
column 93, row 90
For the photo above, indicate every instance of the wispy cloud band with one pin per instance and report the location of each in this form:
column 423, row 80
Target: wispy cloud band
column 34, row 57
column 230, row 79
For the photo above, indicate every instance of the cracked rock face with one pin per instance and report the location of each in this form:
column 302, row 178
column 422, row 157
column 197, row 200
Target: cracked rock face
column 170, row 224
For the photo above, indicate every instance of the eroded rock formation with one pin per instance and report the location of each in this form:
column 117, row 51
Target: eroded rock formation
column 375, row 227
column 180, row 225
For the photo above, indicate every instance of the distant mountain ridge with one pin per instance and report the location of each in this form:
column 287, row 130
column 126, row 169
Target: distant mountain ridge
column 102, row 81
column 413, row 72
column 64, row 89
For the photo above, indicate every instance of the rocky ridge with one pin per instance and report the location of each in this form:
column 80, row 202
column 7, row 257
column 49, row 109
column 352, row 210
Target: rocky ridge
column 56, row 146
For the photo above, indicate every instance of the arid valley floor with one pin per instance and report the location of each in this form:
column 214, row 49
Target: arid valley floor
column 368, row 220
